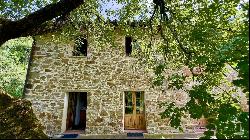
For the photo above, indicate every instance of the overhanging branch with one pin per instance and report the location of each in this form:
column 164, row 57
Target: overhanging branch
column 22, row 27
column 164, row 18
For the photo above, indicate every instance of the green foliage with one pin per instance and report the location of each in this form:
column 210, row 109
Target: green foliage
column 174, row 114
column 215, row 33
column 16, row 9
column 231, row 123
column 13, row 66
column 243, row 67
column 226, row 120
column 159, row 77
column 17, row 120
column 176, row 81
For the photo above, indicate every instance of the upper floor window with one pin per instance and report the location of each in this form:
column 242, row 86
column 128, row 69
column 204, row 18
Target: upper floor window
column 131, row 45
column 80, row 47
column 128, row 45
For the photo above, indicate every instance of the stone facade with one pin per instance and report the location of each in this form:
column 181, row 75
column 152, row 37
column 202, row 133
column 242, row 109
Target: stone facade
column 105, row 73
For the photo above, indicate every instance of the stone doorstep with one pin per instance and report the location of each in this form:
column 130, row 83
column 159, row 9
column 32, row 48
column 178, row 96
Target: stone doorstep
column 108, row 136
column 59, row 137
column 135, row 138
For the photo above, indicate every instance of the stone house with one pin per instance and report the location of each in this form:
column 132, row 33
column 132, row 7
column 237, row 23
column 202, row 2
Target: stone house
column 102, row 91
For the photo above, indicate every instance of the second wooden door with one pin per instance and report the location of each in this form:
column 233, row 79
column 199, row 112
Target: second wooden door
column 134, row 117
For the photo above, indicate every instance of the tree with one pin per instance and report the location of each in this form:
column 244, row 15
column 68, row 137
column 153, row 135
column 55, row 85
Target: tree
column 14, row 62
column 34, row 23
column 17, row 119
column 204, row 34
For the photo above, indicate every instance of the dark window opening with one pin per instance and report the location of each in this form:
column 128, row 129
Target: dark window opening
column 80, row 48
column 76, row 114
column 128, row 45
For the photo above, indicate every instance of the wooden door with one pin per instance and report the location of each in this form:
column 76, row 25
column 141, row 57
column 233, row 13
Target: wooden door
column 134, row 117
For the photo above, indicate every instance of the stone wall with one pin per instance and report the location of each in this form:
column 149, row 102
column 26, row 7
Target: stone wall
column 104, row 74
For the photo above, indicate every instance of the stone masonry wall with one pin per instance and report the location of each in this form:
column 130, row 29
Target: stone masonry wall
column 104, row 74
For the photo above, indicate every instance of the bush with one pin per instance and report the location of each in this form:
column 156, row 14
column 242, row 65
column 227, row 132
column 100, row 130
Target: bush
column 17, row 120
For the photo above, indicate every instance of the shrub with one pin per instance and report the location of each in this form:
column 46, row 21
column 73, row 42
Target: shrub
column 17, row 120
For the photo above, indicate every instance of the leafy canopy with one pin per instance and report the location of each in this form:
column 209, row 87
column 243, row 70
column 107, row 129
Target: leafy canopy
column 13, row 67
column 194, row 33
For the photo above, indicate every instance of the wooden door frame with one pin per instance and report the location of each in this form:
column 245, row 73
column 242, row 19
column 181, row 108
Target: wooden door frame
column 83, row 96
column 65, row 108
column 134, row 108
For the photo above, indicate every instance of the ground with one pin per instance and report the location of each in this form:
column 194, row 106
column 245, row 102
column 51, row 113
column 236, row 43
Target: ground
column 146, row 136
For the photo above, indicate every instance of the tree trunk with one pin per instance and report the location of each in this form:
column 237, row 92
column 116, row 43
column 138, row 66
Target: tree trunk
column 30, row 24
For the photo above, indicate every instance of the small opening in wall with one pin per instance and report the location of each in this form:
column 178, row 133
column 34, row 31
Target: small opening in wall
column 128, row 45
column 80, row 47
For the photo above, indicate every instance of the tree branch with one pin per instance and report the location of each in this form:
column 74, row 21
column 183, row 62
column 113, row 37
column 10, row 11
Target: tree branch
column 150, row 22
column 161, row 4
column 22, row 27
column 47, row 27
